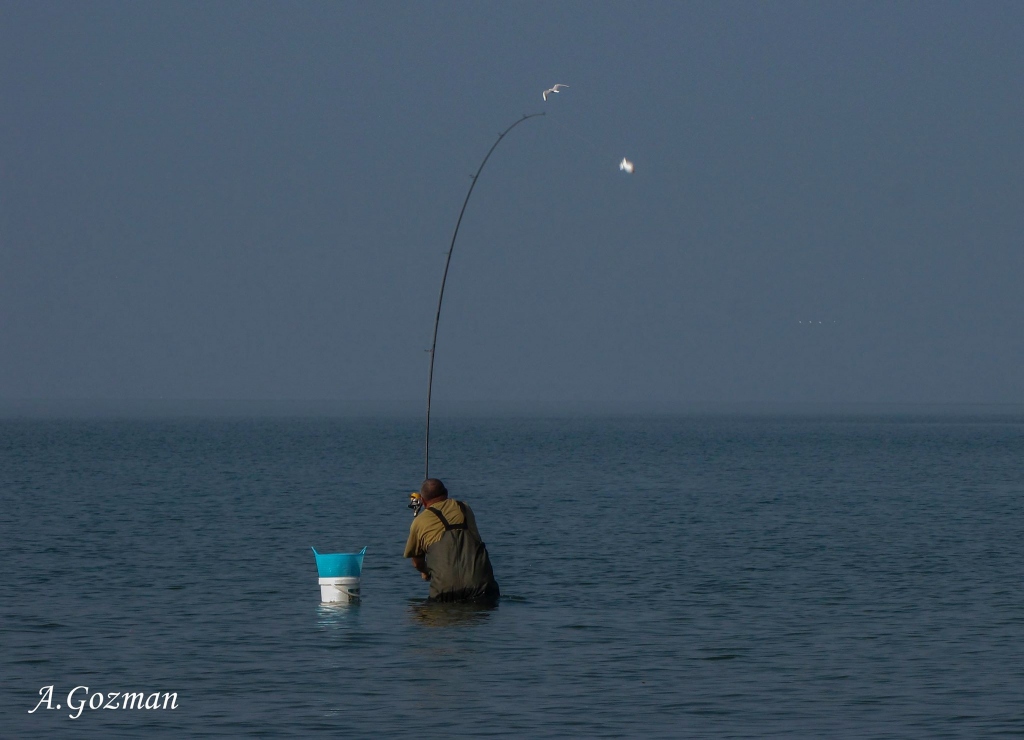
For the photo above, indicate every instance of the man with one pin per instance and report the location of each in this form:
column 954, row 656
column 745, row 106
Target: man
column 446, row 548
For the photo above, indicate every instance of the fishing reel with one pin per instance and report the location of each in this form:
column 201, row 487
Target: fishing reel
column 415, row 503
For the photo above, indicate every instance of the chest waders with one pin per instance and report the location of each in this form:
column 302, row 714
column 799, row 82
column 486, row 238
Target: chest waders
column 458, row 564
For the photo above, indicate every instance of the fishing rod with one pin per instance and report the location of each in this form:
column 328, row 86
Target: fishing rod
column 444, row 279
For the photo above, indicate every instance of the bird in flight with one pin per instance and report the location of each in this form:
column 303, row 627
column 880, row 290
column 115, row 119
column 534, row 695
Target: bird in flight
column 626, row 165
column 552, row 89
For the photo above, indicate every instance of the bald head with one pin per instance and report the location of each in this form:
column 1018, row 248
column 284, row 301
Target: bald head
column 432, row 489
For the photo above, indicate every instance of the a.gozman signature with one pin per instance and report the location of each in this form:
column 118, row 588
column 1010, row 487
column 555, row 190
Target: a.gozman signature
column 81, row 698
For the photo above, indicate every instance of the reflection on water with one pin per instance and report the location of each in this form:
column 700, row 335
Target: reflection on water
column 440, row 614
column 337, row 614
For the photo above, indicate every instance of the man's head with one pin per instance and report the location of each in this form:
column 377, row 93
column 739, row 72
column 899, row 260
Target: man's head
column 433, row 490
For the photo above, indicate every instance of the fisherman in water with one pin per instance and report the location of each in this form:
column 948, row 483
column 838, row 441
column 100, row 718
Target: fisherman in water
column 446, row 548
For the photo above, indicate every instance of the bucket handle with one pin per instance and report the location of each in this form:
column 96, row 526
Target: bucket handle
column 361, row 552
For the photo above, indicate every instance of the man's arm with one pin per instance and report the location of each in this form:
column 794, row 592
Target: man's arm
column 420, row 564
column 412, row 546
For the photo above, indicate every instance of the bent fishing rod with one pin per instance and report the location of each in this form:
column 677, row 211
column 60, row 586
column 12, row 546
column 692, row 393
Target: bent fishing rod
column 444, row 279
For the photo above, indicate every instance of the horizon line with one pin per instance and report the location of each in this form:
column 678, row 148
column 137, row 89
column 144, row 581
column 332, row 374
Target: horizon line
column 226, row 407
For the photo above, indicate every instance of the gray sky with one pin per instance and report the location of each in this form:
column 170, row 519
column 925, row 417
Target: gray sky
column 251, row 200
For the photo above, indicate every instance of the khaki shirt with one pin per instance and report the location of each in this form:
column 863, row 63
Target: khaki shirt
column 426, row 528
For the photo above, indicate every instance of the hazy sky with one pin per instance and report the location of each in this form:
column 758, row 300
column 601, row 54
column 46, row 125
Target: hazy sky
column 253, row 200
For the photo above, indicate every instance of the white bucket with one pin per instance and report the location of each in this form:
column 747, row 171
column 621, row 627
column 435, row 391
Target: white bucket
column 344, row 589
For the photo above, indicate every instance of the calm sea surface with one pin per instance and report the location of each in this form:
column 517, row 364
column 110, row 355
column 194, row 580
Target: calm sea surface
column 718, row 576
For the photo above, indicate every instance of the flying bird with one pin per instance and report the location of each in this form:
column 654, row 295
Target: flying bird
column 626, row 165
column 552, row 89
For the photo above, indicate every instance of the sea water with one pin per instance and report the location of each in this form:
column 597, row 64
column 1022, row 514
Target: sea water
column 662, row 576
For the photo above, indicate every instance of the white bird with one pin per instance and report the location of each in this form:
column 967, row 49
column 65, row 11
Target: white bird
column 626, row 165
column 553, row 89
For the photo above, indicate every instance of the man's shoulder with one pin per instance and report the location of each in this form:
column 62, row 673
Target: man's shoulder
column 451, row 509
column 427, row 519
column 462, row 506
column 421, row 521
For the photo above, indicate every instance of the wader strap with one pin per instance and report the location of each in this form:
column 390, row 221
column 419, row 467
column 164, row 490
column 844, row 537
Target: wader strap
column 447, row 526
